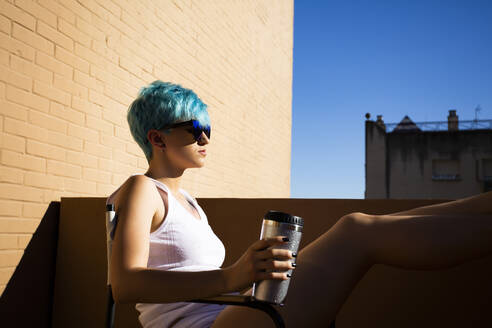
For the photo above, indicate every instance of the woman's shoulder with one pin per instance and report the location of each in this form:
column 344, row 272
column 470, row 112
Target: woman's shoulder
column 135, row 181
column 135, row 187
column 138, row 194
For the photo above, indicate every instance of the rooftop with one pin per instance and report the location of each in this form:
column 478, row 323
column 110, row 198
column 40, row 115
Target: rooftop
column 437, row 125
column 452, row 124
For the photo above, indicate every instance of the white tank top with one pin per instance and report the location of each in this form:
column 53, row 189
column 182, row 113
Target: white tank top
column 181, row 243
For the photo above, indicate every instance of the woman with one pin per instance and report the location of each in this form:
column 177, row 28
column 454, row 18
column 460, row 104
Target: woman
column 165, row 251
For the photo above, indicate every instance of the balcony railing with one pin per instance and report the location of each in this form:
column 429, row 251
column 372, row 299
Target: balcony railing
column 446, row 177
column 438, row 126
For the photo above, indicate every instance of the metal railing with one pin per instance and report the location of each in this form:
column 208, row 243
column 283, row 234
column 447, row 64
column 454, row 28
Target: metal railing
column 438, row 126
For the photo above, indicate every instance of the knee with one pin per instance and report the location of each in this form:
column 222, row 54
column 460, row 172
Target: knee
column 358, row 222
column 359, row 228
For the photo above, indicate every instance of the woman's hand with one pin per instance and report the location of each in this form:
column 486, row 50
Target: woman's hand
column 258, row 258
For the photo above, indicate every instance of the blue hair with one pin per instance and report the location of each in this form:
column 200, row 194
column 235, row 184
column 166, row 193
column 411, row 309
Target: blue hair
column 160, row 104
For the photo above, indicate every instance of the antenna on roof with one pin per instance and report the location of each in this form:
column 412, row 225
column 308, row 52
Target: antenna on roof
column 477, row 109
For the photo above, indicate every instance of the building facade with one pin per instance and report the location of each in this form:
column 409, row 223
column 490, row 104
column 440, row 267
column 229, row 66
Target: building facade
column 450, row 159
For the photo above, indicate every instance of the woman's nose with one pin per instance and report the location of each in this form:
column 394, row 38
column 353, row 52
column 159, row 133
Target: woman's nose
column 203, row 139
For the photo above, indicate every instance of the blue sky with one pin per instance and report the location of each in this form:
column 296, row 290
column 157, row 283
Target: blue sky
column 391, row 58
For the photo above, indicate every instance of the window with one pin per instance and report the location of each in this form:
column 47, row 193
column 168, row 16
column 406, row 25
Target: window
column 445, row 169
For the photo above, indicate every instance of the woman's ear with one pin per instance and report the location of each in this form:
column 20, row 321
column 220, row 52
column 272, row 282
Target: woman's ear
column 156, row 138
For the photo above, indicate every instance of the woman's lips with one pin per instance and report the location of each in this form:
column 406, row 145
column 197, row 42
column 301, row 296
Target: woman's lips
column 203, row 152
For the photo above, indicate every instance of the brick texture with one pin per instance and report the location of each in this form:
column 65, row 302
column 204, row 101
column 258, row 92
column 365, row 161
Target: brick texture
column 69, row 70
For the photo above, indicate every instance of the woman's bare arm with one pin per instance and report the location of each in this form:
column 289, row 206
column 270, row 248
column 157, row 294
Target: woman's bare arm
column 480, row 204
column 157, row 286
column 131, row 280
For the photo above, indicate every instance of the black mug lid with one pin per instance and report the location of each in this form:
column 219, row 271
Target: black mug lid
column 283, row 217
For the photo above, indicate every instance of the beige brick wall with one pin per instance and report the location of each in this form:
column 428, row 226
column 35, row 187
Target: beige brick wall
column 69, row 70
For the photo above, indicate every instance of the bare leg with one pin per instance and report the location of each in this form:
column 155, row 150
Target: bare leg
column 429, row 242
column 425, row 238
column 436, row 236
column 480, row 204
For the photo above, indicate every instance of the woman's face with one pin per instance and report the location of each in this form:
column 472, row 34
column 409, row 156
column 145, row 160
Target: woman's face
column 183, row 150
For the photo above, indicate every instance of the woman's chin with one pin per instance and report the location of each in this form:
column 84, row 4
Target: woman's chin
column 199, row 163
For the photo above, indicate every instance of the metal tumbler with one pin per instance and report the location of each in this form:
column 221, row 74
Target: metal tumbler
column 277, row 223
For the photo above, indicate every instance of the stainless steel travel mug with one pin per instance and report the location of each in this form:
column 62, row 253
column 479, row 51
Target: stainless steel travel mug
column 277, row 223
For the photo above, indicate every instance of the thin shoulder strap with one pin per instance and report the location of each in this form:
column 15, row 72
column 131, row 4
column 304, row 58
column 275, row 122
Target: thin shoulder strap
column 157, row 182
column 189, row 196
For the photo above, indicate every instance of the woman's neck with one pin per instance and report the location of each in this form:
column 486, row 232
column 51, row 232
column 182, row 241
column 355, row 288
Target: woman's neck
column 171, row 178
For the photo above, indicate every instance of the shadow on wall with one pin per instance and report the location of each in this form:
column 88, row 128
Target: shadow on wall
column 31, row 286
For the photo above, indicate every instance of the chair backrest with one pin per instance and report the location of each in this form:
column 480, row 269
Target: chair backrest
column 111, row 221
column 110, row 308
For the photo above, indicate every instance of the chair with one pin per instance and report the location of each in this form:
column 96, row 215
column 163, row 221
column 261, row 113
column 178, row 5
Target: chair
column 240, row 300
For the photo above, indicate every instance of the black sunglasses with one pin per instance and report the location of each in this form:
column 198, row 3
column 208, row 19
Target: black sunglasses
column 197, row 128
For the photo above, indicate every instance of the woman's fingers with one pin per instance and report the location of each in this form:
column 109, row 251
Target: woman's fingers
column 267, row 259
column 267, row 242
column 274, row 265
column 271, row 275
column 278, row 253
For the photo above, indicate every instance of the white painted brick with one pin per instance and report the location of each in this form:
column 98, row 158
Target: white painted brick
column 32, row 38
column 28, row 68
column 72, row 68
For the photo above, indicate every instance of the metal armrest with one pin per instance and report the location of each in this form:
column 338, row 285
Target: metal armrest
column 245, row 300
column 229, row 299
column 250, row 301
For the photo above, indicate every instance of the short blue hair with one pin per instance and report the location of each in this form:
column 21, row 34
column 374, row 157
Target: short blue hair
column 160, row 104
